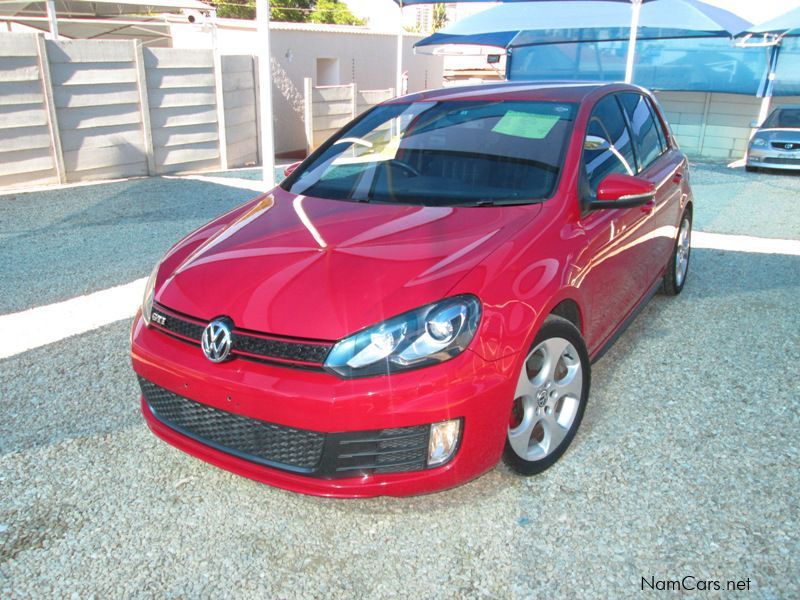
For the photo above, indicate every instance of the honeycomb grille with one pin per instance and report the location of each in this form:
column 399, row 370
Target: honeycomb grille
column 292, row 351
column 312, row 453
column 181, row 327
column 258, row 441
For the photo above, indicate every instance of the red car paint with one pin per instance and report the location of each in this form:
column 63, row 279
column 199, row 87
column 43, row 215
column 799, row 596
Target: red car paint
column 317, row 269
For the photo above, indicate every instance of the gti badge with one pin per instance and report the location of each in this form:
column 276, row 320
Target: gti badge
column 216, row 340
column 158, row 318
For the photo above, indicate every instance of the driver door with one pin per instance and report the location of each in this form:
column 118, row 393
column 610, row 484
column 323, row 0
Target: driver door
column 614, row 277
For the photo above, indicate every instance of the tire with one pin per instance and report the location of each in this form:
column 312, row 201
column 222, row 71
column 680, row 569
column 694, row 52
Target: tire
column 678, row 268
column 550, row 398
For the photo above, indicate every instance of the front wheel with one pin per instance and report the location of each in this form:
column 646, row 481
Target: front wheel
column 678, row 266
column 550, row 398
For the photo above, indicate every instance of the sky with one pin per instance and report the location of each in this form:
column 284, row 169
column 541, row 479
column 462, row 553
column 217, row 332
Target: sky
column 756, row 11
column 382, row 14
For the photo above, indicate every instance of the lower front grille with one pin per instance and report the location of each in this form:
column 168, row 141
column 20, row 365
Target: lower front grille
column 257, row 441
column 324, row 455
column 782, row 161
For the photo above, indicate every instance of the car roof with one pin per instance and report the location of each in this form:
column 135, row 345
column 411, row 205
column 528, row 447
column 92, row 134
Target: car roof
column 790, row 106
column 554, row 91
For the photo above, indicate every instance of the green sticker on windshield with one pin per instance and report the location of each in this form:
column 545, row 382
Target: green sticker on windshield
column 527, row 125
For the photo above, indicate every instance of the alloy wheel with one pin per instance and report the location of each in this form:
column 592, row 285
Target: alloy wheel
column 546, row 400
column 682, row 251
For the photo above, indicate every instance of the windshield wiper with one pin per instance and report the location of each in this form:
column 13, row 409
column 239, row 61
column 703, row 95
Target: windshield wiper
column 487, row 202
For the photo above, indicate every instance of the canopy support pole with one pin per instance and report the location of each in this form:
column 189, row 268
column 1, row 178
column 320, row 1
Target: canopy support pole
column 265, row 94
column 398, row 84
column 769, row 84
column 213, row 20
column 636, row 8
column 53, row 20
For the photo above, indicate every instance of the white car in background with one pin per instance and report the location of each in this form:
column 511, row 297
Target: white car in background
column 776, row 144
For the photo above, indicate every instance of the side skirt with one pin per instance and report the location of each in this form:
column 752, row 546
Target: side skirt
column 628, row 320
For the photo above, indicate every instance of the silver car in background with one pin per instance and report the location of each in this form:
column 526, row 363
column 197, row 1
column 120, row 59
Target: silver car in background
column 776, row 144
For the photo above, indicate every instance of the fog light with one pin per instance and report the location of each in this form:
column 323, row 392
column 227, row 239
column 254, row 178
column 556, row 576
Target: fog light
column 443, row 441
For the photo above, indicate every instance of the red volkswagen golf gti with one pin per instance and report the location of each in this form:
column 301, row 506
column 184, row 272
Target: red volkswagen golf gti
column 423, row 295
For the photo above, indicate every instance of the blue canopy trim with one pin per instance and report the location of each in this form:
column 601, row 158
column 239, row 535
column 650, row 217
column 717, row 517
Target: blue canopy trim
column 700, row 64
column 787, row 72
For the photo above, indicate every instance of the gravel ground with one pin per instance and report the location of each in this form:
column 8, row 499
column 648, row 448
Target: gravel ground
column 742, row 203
column 82, row 239
column 686, row 464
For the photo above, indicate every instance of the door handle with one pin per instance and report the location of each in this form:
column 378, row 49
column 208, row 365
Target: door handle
column 677, row 178
column 649, row 207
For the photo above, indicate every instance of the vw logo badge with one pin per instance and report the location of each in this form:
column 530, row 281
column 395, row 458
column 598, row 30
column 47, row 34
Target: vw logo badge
column 216, row 340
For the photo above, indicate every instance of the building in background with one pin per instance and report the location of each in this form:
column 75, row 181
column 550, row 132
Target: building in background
column 328, row 54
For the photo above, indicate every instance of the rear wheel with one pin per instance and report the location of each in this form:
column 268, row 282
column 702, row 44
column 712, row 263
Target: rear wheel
column 550, row 398
column 678, row 267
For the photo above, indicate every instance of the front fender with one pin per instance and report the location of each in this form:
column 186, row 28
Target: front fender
column 517, row 295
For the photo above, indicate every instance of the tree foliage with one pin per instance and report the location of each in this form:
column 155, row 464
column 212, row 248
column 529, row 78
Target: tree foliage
column 235, row 9
column 294, row 11
column 439, row 18
column 334, row 12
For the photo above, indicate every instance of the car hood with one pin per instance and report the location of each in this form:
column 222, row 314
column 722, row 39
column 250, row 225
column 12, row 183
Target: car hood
column 322, row 269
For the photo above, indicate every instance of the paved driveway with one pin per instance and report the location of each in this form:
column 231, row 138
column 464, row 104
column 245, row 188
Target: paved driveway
column 687, row 462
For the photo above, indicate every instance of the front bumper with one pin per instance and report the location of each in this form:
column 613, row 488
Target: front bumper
column 769, row 158
column 467, row 388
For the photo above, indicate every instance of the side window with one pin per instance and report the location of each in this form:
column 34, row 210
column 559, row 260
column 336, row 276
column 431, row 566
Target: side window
column 608, row 147
column 644, row 127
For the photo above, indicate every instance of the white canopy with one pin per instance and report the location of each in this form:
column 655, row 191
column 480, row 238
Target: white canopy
column 152, row 31
column 100, row 8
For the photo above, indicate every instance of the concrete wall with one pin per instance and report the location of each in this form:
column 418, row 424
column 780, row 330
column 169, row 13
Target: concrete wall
column 27, row 155
column 240, row 100
column 366, row 58
column 96, row 95
column 330, row 108
column 181, row 90
column 713, row 125
column 80, row 110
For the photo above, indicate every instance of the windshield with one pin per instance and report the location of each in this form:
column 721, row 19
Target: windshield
column 783, row 117
column 443, row 154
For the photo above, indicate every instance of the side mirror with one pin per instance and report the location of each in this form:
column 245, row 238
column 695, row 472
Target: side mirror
column 290, row 169
column 623, row 191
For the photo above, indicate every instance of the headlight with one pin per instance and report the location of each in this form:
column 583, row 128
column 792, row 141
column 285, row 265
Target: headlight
column 149, row 293
column 425, row 336
column 759, row 142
